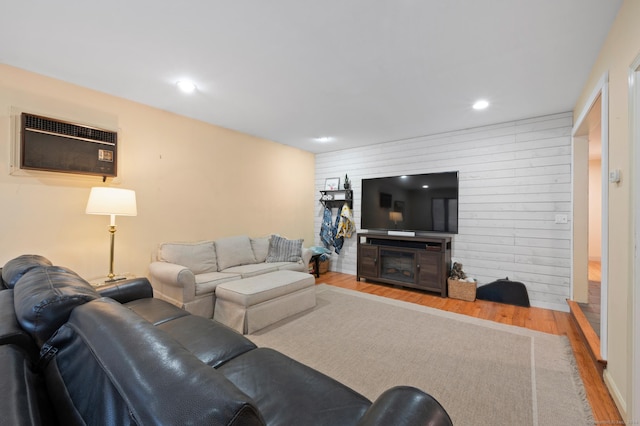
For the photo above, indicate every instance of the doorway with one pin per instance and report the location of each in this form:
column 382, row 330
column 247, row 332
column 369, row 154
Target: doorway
column 590, row 211
column 592, row 307
column 634, row 122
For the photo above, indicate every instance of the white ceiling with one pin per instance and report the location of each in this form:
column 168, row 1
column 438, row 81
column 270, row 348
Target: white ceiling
column 361, row 71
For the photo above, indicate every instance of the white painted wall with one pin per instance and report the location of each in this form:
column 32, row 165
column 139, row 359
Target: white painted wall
column 193, row 181
column 514, row 179
column 595, row 210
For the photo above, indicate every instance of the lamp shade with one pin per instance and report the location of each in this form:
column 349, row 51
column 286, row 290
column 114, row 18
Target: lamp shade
column 112, row 201
column 395, row 216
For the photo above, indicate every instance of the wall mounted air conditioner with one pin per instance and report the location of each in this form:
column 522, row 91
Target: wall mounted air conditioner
column 59, row 146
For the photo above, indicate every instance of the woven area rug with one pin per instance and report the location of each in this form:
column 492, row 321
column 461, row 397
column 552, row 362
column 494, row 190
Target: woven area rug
column 483, row 373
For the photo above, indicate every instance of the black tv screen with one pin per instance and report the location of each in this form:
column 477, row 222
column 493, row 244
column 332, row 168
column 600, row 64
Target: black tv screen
column 420, row 203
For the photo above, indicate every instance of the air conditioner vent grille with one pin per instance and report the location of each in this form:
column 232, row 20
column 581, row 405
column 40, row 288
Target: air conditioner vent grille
column 34, row 122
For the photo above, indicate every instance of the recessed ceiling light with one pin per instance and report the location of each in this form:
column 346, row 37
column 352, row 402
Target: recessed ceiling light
column 324, row 139
column 186, row 86
column 425, row 186
column 480, row 104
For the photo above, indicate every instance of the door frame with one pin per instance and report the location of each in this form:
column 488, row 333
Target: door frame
column 601, row 90
column 634, row 139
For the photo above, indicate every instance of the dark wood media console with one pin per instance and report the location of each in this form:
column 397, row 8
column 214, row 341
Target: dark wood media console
column 419, row 262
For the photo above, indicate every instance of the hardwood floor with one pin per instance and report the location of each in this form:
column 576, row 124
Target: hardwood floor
column 548, row 321
column 592, row 309
column 595, row 268
column 586, row 316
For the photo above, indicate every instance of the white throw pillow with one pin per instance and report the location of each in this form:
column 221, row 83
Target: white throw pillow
column 284, row 250
column 199, row 257
column 234, row 251
column 260, row 248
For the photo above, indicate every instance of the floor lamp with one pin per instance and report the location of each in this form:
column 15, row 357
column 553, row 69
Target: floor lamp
column 112, row 202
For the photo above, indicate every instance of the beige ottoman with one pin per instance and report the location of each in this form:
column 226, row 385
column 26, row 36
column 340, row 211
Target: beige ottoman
column 250, row 304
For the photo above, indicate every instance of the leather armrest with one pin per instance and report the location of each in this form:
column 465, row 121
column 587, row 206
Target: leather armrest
column 405, row 405
column 128, row 290
column 10, row 330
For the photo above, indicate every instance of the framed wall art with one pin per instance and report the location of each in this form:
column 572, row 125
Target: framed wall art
column 332, row 184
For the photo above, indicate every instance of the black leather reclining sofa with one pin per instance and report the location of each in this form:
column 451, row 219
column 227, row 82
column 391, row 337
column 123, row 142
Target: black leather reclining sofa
column 72, row 356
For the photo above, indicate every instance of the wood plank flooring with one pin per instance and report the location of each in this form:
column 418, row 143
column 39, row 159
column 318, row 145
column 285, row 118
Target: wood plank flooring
column 548, row 321
column 591, row 310
column 586, row 316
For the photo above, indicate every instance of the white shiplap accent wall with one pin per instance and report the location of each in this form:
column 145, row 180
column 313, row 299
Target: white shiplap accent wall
column 514, row 179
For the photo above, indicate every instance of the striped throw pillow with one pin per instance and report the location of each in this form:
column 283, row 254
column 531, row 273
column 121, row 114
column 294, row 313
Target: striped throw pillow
column 284, row 250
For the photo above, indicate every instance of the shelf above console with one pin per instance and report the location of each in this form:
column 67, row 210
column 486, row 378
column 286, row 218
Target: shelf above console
column 336, row 198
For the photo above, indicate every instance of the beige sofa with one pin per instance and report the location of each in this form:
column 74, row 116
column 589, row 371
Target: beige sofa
column 187, row 274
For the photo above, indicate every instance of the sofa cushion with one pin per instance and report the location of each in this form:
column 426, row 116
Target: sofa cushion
column 291, row 266
column 260, row 248
column 312, row 398
column 234, row 251
column 45, row 296
column 111, row 366
column 14, row 269
column 246, row 271
column 200, row 257
column 212, row 342
column 156, row 311
column 284, row 250
column 207, row 283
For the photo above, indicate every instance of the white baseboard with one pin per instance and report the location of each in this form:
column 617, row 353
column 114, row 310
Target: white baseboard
column 616, row 395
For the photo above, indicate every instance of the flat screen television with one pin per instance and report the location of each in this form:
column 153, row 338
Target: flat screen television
column 419, row 203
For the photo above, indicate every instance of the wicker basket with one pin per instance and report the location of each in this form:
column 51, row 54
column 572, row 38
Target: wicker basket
column 323, row 265
column 462, row 290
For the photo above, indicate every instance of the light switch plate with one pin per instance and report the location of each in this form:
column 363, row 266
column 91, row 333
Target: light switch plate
column 614, row 176
column 561, row 218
